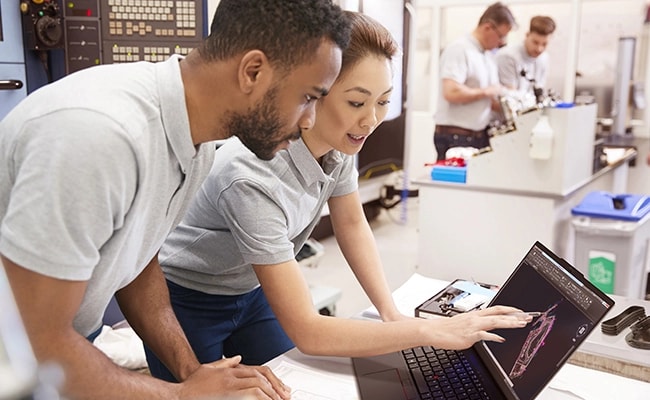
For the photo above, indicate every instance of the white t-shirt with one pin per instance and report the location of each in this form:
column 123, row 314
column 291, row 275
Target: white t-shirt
column 466, row 62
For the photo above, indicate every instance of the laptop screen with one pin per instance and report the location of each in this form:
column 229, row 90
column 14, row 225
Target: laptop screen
column 570, row 308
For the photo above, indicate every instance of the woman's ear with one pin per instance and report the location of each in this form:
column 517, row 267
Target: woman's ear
column 254, row 71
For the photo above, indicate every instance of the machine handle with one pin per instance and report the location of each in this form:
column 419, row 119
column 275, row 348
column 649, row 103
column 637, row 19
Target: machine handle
column 10, row 84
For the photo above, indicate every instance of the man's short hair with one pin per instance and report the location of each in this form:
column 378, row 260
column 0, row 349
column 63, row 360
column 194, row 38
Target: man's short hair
column 498, row 14
column 542, row 25
column 288, row 31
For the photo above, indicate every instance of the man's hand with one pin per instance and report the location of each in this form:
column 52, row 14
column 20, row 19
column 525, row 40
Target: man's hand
column 228, row 377
column 463, row 330
column 494, row 91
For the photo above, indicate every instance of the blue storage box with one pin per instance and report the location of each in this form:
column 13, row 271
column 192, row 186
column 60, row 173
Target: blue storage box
column 625, row 207
column 449, row 174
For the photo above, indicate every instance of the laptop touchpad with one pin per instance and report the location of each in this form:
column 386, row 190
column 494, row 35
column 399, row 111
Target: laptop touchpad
column 387, row 384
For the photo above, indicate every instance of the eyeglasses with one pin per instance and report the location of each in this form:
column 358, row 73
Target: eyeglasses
column 502, row 36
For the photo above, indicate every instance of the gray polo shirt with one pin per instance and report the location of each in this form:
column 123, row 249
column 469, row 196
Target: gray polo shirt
column 251, row 211
column 95, row 170
column 466, row 62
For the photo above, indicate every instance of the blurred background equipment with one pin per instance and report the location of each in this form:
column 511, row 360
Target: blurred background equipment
column 18, row 367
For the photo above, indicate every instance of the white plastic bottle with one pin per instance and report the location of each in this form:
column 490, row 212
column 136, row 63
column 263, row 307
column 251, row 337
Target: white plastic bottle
column 541, row 139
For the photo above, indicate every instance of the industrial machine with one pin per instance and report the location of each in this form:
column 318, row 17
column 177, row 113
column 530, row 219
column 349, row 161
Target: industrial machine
column 550, row 151
column 12, row 61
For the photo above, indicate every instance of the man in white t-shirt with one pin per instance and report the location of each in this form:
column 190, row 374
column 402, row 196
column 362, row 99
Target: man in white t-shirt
column 469, row 83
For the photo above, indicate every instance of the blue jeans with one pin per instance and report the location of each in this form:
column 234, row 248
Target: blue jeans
column 218, row 326
column 91, row 338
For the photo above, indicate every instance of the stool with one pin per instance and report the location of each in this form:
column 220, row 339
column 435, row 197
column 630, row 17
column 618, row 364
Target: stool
column 324, row 298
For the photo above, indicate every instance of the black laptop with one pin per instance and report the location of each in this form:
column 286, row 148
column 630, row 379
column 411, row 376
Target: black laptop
column 570, row 308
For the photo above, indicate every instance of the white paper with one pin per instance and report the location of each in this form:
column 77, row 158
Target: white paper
column 411, row 294
column 310, row 384
column 584, row 383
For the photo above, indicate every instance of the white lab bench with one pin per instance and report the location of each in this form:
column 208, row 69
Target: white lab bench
column 612, row 354
column 480, row 229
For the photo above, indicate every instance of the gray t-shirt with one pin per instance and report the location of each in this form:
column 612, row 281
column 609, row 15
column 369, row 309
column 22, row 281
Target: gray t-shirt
column 466, row 62
column 95, row 171
column 514, row 59
column 251, row 211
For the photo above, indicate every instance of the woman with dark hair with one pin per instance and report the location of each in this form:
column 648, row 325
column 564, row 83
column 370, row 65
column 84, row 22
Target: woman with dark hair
column 235, row 284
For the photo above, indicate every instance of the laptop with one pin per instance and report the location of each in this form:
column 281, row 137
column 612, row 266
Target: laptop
column 569, row 308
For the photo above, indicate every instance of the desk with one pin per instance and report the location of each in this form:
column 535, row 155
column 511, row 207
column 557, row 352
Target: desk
column 611, row 353
column 323, row 378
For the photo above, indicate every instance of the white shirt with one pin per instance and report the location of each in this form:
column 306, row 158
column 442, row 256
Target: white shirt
column 466, row 62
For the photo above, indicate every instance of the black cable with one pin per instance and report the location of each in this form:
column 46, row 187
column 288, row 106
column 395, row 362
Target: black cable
column 43, row 55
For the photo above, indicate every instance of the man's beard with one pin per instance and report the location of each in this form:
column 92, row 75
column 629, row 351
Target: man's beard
column 259, row 129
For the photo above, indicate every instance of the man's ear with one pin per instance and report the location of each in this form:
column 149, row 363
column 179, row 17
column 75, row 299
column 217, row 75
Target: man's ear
column 254, row 70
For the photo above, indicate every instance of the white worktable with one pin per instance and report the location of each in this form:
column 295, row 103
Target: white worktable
column 472, row 231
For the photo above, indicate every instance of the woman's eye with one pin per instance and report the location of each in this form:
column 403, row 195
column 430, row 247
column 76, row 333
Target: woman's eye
column 356, row 104
column 384, row 102
column 309, row 98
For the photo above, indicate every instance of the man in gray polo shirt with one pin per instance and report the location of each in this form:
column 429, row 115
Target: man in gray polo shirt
column 97, row 168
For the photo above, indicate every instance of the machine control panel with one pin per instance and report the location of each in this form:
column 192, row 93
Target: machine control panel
column 120, row 31
column 150, row 30
column 83, row 35
column 42, row 24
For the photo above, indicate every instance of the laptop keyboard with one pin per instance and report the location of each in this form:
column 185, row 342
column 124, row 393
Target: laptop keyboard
column 443, row 374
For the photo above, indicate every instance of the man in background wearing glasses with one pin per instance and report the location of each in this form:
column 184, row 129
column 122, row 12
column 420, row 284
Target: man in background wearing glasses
column 469, row 83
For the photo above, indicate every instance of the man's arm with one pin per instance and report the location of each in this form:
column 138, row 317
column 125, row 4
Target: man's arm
column 48, row 306
column 455, row 92
column 355, row 238
column 145, row 304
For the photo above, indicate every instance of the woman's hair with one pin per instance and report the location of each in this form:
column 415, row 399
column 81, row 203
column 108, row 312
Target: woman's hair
column 288, row 31
column 367, row 38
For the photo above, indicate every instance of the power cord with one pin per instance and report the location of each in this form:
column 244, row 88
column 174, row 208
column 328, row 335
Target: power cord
column 395, row 189
column 389, row 196
column 43, row 55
